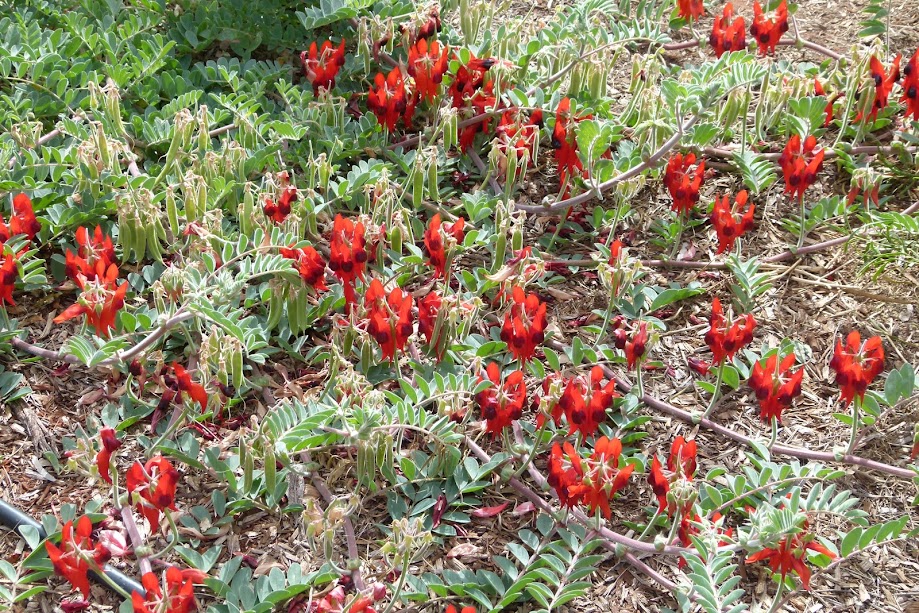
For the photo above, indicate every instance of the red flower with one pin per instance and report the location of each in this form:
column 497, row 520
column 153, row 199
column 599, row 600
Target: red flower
column 585, row 403
column 469, row 80
column 699, row 366
column 427, row 63
column 599, row 477
column 681, row 467
column 279, row 212
column 321, row 66
column 635, row 346
column 8, row 274
column 911, row 86
column 775, row 385
column 857, row 364
column 309, row 264
column 800, row 165
column 77, row 555
column 100, row 301
column 93, row 257
column 561, row 474
column 828, row 109
column 452, row 609
column 179, row 596
column 789, row 555
column 731, row 223
column 690, row 9
column 683, row 184
column 728, row 34
column 195, row 391
column 348, row 256
column 389, row 99
column 434, row 242
column 501, row 403
column 724, row 338
column 22, row 221
column 153, row 486
column 883, row 83
column 109, row 444
column 428, row 308
column 524, row 325
column 565, row 144
column 390, row 318
column 767, row 32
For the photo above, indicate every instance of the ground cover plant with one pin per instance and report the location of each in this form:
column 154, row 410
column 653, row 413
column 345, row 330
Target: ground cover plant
column 391, row 306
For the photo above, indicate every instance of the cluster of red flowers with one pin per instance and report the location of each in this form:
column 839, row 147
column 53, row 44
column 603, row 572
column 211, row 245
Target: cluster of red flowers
column 800, row 164
column 633, row 340
column 348, row 255
column 22, row 221
column 524, row 325
column 565, row 144
column 731, row 223
column 427, row 64
column 77, row 554
column 775, row 385
column 321, row 66
column 472, row 94
column 673, row 489
column 434, row 242
column 591, row 481
column 883, row 83
column 856, row 365
column 452, row 609
column 690, row 10
column 309, row 264
column 584, row 402
column 911, row 86
column 683, row 183
column 93, row 257
column 178, row 597
column 278, row 211
column 768, row 32
column 728, row 32
column 100, row 300
column 389, row 318
column 501, row 403
column 152, row 486
column 391, row 98
column 726, row 338
column 789, row 555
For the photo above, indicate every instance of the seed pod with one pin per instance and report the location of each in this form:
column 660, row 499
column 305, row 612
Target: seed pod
column 366, row 355
column 248, row 464
column 395, row 238
column 500, row 250
column 271, row 469
column 152, row 245
column 237, row 371
column 417, row 187
column 433, row 187
column 172, row 211
column 510, row 174
column 275, row 307
column 204, row 137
